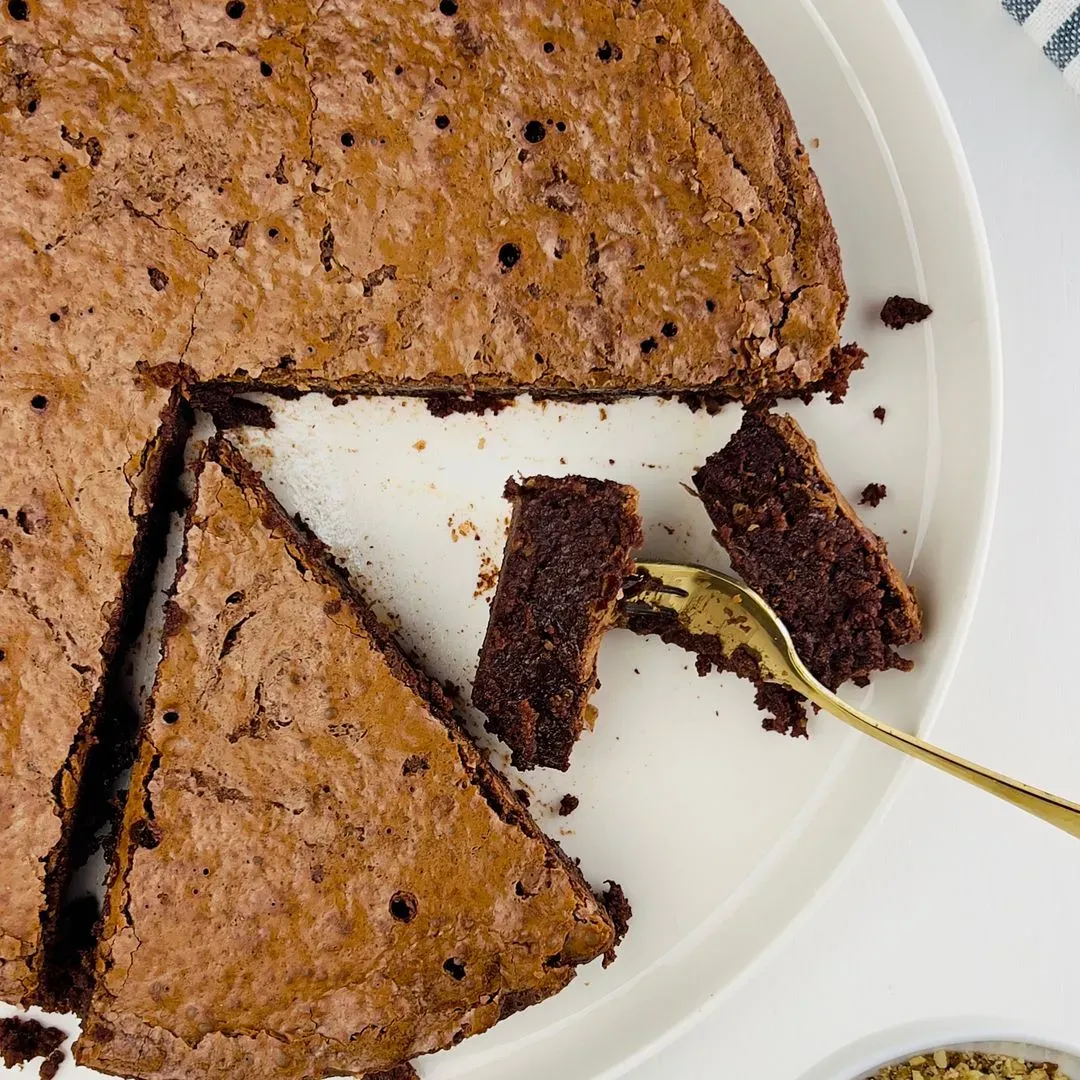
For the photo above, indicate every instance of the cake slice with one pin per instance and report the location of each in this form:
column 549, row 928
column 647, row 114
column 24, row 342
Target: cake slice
column 569, row 549
column 795, row 539
column 317, row 873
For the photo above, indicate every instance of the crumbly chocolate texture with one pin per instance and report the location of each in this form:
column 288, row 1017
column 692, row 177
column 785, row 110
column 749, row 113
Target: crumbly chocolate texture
column 618, row 907
column 317, row 873
column 443, row 405
column 23, row 1039
column 900, row 311
column 873, row 494
column 568, row 804
column 399, row 1072
column 795, row 539
column 784, row 709
column 569, row 549
column 51, row 1065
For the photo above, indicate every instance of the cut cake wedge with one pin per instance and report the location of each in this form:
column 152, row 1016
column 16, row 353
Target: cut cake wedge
column 317, row 873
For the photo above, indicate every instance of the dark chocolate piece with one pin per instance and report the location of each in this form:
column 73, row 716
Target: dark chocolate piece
column 900, row 311
column 796, row 540
column 618, row 908
column 569, row 550
column 872, row 494
column 23, row 1039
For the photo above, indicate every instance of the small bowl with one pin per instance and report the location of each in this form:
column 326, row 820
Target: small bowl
column 865, row 1057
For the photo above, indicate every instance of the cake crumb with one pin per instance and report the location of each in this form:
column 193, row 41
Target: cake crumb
column 523, row 797
column 460, row 530
column 967, row 1065
column 339, row 399
column 872, row 494
column 23, row 1039
column 420, row 444
column 51, row 1065
column 603, row 413
column 618, row 908
column 444, row 405
column 815, row 142
column 568, row 804
column 481, row 443
column 879, row 414
column 900, row 311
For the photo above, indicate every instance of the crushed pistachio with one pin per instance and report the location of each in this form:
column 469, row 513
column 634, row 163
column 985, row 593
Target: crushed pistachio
column 963, row 1065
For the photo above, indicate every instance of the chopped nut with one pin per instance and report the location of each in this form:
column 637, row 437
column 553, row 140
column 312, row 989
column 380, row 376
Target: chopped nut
column 962, row 1065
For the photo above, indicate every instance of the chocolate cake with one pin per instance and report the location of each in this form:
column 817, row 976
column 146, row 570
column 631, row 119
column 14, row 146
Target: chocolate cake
column 796, row 540
column 569, row 549
column 211, row 197
column 317, row 872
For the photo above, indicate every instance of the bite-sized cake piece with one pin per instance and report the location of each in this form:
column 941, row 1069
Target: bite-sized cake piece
column 317, row 873
column 569, row 549
column 900, row 311
column 796, row 540
column 22, row 1039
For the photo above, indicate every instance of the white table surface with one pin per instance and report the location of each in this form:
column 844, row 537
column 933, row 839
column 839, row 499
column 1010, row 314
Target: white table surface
column 960, row 906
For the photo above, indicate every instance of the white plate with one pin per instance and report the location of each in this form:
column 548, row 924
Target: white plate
column 719, row 833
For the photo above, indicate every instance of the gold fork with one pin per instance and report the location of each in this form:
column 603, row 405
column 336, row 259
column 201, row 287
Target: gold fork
column 707, row 602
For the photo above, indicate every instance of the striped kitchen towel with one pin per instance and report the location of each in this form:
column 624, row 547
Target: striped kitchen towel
column 1055, row 25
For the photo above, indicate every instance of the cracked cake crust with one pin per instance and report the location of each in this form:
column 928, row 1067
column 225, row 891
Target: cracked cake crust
column 552, row 258
column 569, row 549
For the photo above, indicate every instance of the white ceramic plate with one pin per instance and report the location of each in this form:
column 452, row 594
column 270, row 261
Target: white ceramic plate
column 719, row 833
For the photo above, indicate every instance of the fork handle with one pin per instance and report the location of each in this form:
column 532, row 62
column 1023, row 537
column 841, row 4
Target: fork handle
column 1060, row 812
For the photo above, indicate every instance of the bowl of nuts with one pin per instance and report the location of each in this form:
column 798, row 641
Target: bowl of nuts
column 984, row 1061
column 954, row 1050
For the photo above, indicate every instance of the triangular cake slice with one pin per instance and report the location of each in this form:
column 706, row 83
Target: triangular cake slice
column 317, row 873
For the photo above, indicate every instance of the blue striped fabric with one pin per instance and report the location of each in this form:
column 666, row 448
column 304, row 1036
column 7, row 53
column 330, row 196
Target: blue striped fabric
column 1055, row 27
